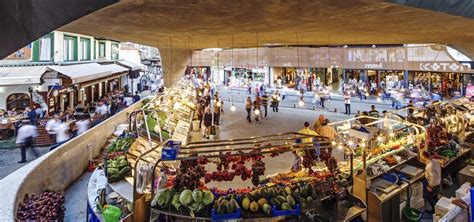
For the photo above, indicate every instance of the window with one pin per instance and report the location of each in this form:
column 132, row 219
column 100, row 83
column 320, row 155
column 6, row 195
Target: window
column 101, row 50
column 45, row 48
column 115, row 51
column 85, row 46
column 69, row 49
column 18, row 100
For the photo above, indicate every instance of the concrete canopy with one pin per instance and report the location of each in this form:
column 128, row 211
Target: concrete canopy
column 176, row 26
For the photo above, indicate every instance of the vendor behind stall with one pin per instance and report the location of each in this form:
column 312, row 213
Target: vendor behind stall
column 433, row 181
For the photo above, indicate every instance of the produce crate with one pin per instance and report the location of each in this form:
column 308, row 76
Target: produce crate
column 222, row 217
column 294, row 212
column 170, row 150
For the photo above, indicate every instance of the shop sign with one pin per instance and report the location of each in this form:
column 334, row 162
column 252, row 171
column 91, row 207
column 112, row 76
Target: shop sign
column 374, row 66
column 441, row 66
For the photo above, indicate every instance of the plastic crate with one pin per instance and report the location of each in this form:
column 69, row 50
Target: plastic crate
column 295, row 212
column 170, row 150
column 222, row 217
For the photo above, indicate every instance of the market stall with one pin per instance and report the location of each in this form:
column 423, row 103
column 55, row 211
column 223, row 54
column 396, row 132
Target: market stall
column 383, row 163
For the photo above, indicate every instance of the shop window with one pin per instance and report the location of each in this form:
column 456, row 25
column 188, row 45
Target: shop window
column 85, row 46
column 18, row 100
column 69, row 48
column 115, row 51
column 45, row 48
column 101, row 50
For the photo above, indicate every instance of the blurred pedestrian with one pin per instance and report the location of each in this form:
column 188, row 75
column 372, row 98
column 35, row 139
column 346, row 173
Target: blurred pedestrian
column 51, row 126
column 136, row 97
column 248, row 107
column 275, row 102
column 265, row 99
column 319, row 123
column 62, row 131
column 82, row 125
column 373, row 112
column 31, row 113
column 217, row 110
column 207, row 119
column 256, row 109
column 347, row 102
column 25, row 139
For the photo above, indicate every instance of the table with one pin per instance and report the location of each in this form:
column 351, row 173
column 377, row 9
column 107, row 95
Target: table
column 465, row 175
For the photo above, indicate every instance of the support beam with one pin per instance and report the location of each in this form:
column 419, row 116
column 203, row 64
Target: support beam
column 24, row 21
column 174, row 62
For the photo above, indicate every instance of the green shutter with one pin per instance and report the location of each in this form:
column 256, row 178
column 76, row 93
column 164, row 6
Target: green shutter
column 52, row 46
column 89, row 49
column 76, row 51
column 35, row 49
column 95, row 49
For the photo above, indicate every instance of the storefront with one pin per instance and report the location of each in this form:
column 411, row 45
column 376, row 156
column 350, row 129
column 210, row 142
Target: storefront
column 442, row 83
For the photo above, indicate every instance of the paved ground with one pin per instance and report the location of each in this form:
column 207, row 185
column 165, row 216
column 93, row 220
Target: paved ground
column 9, row 159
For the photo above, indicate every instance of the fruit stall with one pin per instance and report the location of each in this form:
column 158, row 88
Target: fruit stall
column 384, row 162
column 229, row 179
column 117, row 183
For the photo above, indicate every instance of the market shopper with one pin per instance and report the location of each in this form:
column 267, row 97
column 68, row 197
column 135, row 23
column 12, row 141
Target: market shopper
column 327, row 130
column 318, row 123
column 31, row 113
column 275, row 102
column 102, row 110
column 347, row 102
column 51, row 126
column 265, row 99
column 256, row 110
column 207, row 120
column 25, row 139
column 136, row 97
column 248, row 108
column 62, row 134
column 82, row 125
column 373, row 112
column 411, row 108
column 217, row 110
column 433, row 181
column 306, row 130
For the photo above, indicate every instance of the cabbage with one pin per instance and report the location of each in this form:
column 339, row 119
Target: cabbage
column 161, row 197
column 197, row 196
column 175, row 202
column 186, row 197
column 207, row 197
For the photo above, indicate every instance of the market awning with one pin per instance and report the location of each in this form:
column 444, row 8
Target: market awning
column 114, row 68
column 83, row 72
column 21, row 75
column 131, row 65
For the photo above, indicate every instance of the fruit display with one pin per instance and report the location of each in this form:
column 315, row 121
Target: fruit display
column 437, row 136
column 194, row 201
column 117, row 169
column 189, row 175
column 47, row 206
column 121, row 144
column 226, row 205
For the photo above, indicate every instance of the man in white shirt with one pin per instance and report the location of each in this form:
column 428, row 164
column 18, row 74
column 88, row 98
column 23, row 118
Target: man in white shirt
column 433, row 180
column 101, row 109
column 347, row 102
column 51, row 126
column 62, row 133
column 82, row 125
column 25, row 139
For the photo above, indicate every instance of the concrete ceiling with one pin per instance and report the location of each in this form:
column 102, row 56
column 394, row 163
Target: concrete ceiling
column 195, row 24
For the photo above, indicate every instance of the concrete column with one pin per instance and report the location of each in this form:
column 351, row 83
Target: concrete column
column 174, row 62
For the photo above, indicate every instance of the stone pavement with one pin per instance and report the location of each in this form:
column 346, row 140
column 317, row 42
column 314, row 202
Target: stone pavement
column 9, row 159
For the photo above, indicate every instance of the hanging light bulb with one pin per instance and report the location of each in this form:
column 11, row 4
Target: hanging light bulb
column 301, row 103
column 362, row 144
column 333, row 143
column 350, row 143
column 379, row 99
column 232, row 108
column 339, row 147
column 218, row 103
column 257, row 112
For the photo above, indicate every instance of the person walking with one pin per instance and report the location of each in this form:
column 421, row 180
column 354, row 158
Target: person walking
column 200, row 113
column 207, row 120
column 274, row 102
column 322, row 97
column 217, row 110
column 82, row 125
column 136, row 97
column 25, row 139
column 347, row 103
column 256, row 109
column 433, row 181
column 62, row 131
column 31, row 113
column 248, row 107
column 265, row 99
column 51, row 126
